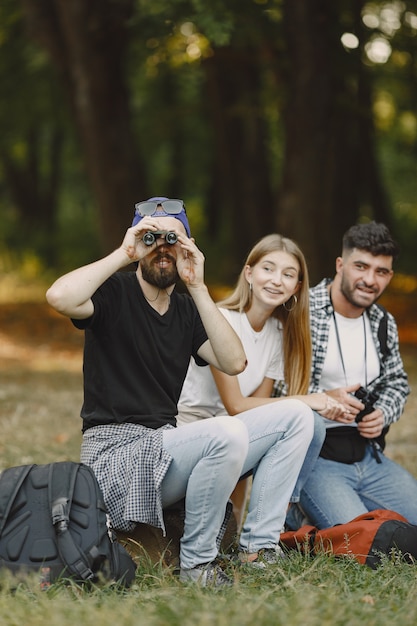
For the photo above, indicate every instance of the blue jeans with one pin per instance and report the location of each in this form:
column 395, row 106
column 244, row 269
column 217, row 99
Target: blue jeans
column 311, row 456
column 336, row 492
column 210, row 455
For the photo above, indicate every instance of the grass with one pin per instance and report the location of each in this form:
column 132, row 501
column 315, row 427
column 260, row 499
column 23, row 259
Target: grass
column 40, row 398
column 302, row 592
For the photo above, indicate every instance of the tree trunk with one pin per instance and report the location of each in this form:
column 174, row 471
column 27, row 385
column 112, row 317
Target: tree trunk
column 87, row 41
column 315, row 150
column 34, row 187
column 240, row 196
column 331, row 175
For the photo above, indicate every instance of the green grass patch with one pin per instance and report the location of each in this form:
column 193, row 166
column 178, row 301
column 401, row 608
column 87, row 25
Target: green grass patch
column 303, row 591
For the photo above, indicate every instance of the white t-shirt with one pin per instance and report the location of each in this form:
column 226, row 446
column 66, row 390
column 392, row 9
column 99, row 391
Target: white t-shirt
column 358, row 369
column 200, row 397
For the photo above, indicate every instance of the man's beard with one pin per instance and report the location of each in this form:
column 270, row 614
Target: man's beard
column 351, row 296
column 159, row 277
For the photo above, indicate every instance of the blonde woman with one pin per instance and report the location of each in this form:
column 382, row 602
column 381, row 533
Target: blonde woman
column 269, row 310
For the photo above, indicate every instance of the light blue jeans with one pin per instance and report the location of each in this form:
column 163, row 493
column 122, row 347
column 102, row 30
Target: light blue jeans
column 335, row 493
column 210, row 455
column 311, row 456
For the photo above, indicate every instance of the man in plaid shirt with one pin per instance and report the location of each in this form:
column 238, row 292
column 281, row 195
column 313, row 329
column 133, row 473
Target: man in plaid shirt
column 356, row 360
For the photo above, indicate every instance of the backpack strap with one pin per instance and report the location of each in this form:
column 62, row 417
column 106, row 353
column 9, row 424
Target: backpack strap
column 11, row 480
column 383, row 332
column 61, row 485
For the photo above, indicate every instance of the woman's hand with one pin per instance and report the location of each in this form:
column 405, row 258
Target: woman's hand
column 329, row 407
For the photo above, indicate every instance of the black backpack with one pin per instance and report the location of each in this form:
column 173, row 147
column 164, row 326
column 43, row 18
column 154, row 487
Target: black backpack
column 53, row 521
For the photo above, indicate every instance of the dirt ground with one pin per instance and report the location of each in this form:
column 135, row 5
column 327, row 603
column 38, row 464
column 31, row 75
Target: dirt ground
column 41, row 386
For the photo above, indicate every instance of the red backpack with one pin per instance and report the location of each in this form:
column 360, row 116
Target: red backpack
column 366, row 538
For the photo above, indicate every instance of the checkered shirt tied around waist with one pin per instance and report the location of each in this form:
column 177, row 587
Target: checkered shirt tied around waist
column 130, row 464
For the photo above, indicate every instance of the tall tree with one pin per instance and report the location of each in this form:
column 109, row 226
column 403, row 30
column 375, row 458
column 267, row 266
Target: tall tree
column 87, row 41
column 331, row 172
column 240, row 195
column 31, row 141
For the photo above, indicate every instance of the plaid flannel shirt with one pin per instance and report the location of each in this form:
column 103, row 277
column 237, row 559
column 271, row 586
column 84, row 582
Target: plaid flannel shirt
column 130, row 464
column 391, row 386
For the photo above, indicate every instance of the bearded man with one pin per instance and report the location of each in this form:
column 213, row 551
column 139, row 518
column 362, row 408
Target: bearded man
column 140, row 335
column 356, row 360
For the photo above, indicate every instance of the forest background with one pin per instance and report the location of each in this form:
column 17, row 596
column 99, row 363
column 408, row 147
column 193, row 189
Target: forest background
column 296, row 116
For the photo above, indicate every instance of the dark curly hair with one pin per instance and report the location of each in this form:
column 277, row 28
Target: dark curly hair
column 372, row 237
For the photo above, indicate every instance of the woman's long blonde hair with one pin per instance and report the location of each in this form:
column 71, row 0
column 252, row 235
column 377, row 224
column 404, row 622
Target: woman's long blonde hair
column 295, row 322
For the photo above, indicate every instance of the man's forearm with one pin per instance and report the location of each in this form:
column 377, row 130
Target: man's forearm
column 71, row 293
column 225, row 343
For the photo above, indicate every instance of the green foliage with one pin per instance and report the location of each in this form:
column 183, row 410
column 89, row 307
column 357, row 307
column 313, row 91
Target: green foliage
column 170, row 54
column 395, row 95
column 36, row 140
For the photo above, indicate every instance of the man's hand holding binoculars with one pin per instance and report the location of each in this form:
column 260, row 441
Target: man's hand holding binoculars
column 142, row 238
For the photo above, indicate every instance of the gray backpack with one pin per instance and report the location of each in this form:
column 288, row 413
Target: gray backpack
column 53, row 521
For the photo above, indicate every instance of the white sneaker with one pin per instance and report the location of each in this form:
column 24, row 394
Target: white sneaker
column 266, row 557
column 206, row 575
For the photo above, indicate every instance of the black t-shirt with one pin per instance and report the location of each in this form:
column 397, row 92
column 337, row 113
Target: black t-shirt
column 135, row 360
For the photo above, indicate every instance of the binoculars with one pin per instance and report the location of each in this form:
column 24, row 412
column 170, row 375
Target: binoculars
column 150, row 237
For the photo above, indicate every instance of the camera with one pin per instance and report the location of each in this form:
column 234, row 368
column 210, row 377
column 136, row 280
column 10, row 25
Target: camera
column 150, row 237
column 367, row 398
